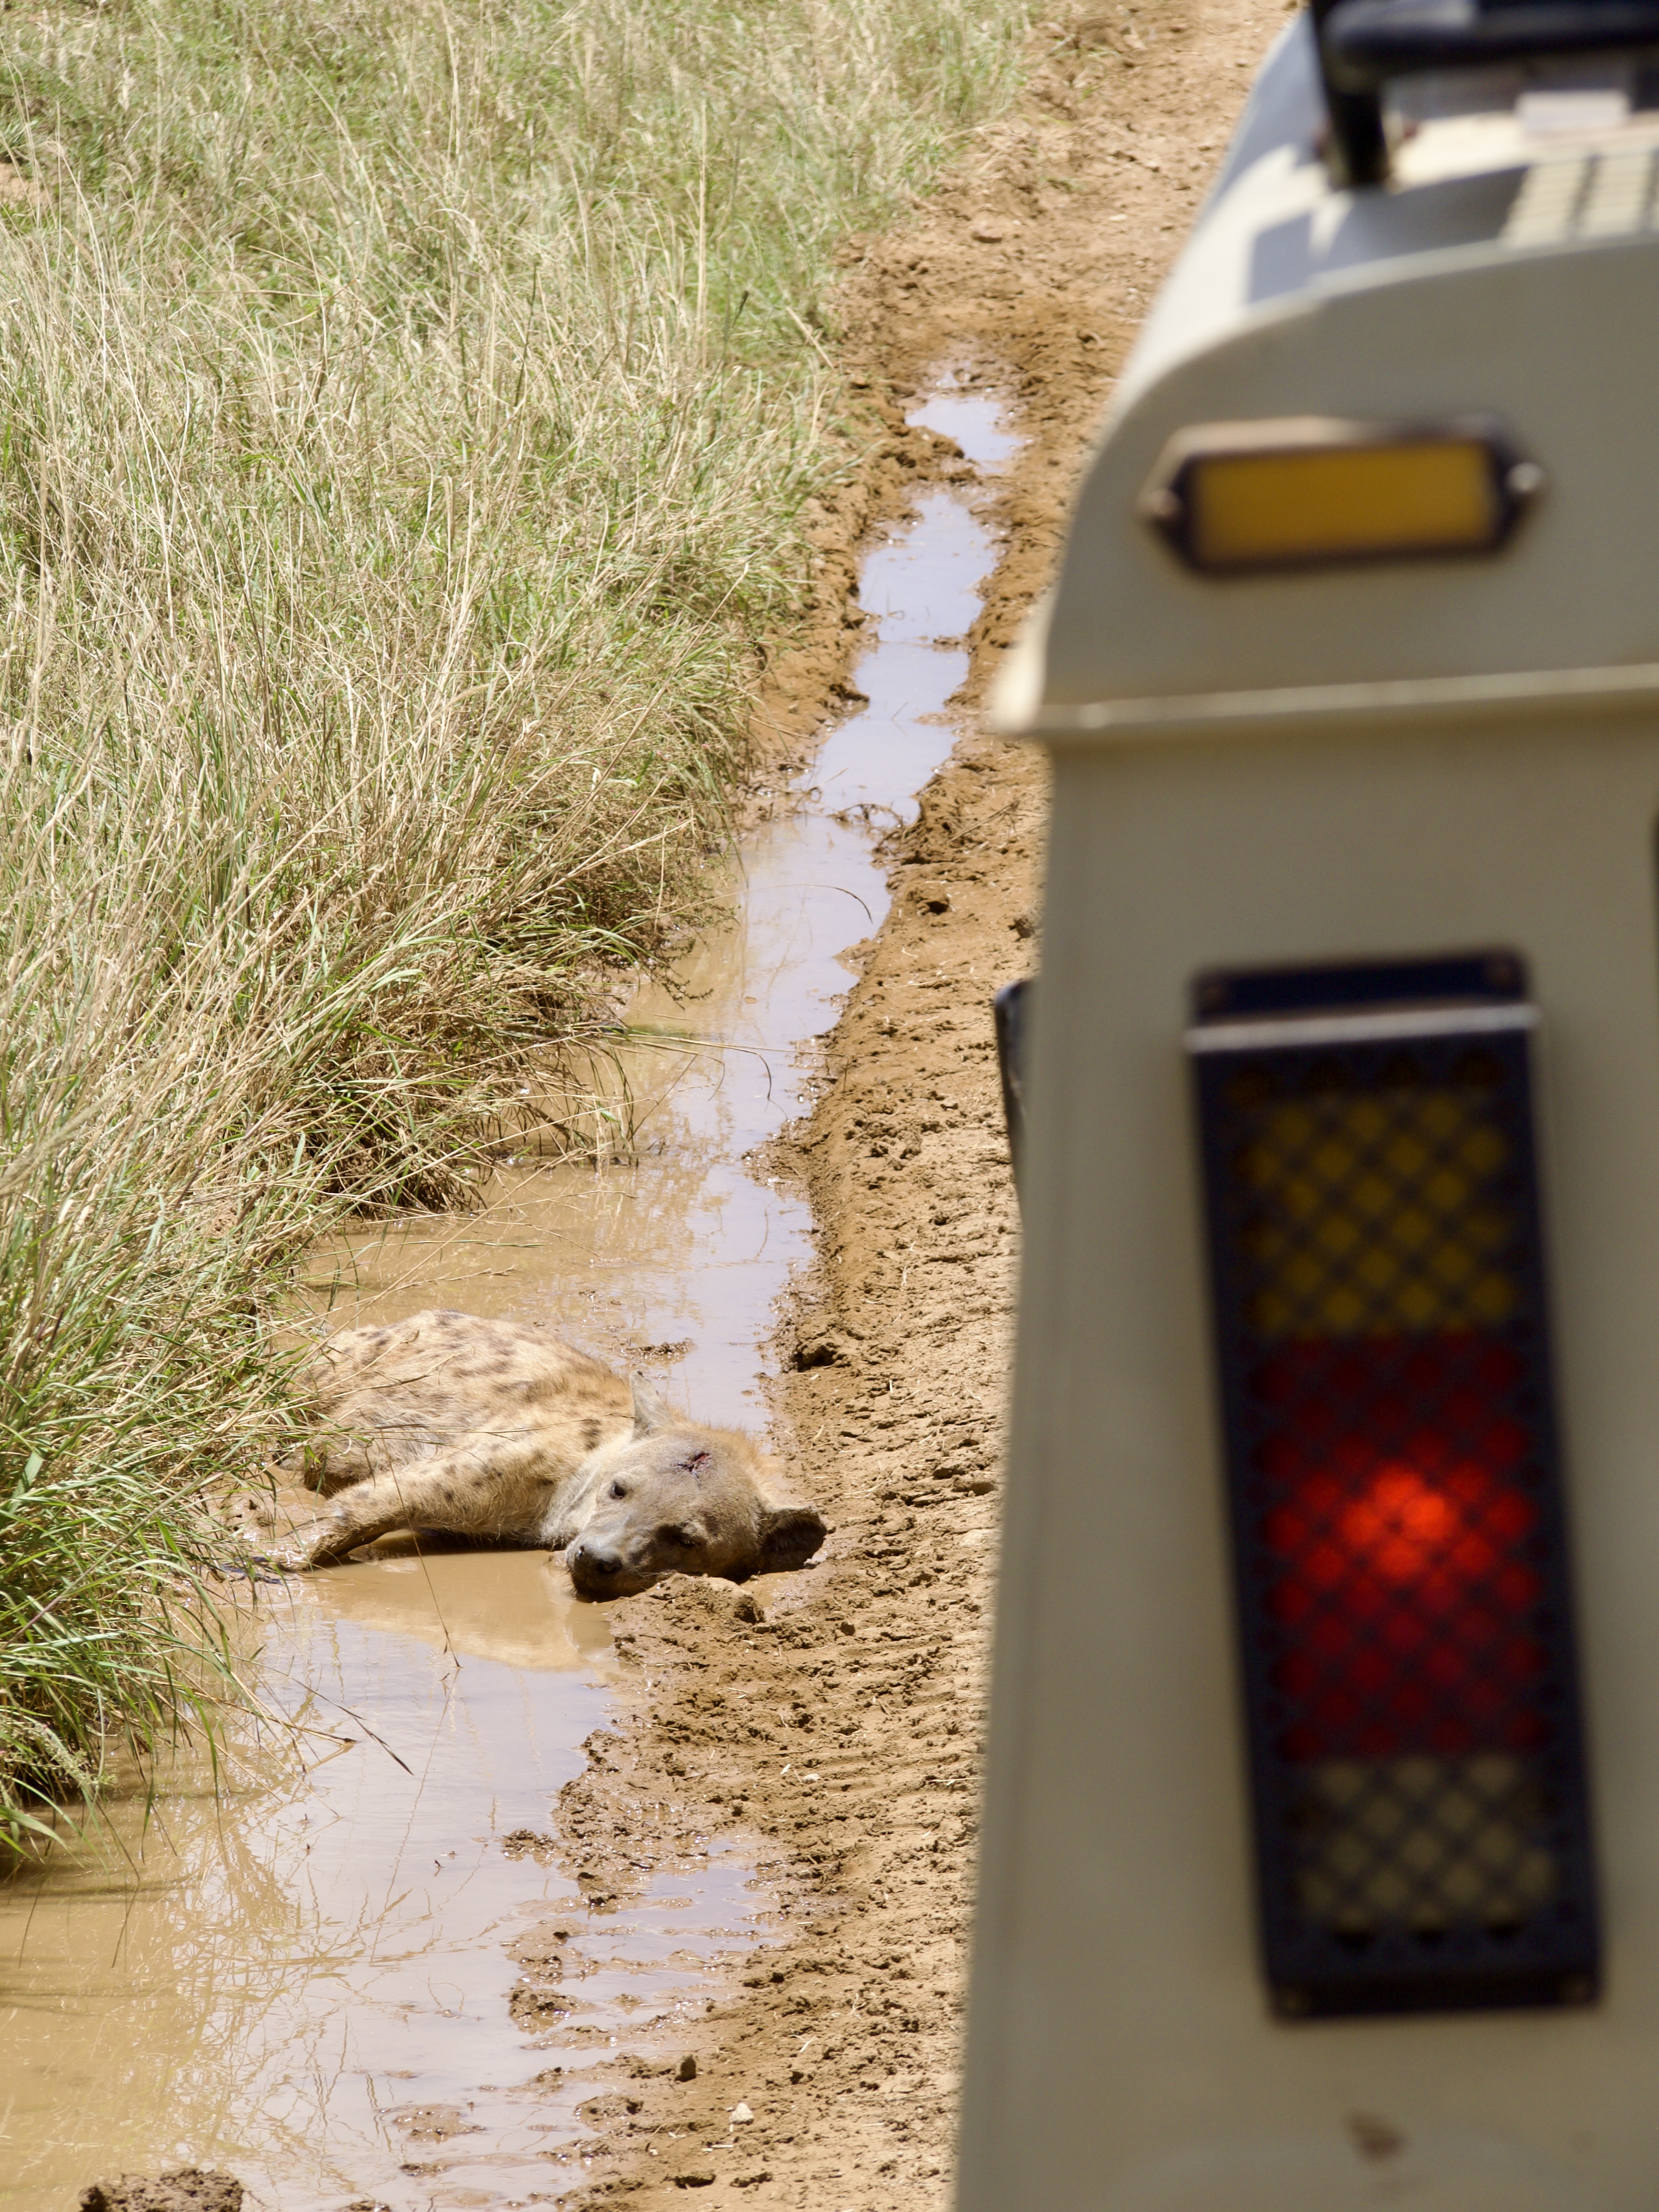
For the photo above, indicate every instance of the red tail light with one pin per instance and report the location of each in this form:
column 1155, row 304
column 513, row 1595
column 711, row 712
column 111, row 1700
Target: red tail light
column 1405, row 1589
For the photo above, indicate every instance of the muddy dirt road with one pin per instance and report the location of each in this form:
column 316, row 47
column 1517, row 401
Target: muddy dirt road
column 844, row 1726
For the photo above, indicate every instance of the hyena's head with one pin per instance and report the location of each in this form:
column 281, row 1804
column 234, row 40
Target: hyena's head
column 672, row 1497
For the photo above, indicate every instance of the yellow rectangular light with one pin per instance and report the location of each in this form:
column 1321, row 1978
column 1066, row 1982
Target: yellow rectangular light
column 1235, row 497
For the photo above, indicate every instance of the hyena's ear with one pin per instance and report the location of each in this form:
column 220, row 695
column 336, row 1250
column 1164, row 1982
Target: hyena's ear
column 789, row 1536
column 650, row 1414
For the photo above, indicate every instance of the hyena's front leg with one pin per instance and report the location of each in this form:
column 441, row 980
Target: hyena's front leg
column 466, row 1492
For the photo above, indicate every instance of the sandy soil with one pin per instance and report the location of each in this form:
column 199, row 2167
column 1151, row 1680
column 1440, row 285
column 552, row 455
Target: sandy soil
column 838, row 1714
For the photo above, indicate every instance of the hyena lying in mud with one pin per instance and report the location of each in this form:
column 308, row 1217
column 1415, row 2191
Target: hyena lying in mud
column 493, row 1430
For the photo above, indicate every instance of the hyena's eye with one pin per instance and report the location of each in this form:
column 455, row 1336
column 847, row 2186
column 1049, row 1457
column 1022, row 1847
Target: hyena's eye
column 619, row 1490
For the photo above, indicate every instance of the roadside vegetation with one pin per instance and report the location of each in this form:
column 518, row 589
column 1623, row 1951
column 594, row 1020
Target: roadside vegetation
column 406, row 413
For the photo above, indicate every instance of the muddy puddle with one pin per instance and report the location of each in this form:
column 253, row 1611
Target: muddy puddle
column 345, row 1967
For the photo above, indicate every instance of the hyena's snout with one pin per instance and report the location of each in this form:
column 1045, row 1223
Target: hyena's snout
column 600, row 1569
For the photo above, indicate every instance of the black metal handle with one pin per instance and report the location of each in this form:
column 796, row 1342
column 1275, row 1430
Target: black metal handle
column 1012, row 1010
column 1359, row 149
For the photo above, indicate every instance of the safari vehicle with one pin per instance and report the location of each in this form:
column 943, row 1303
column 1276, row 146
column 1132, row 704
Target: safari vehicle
column 1320, row 1862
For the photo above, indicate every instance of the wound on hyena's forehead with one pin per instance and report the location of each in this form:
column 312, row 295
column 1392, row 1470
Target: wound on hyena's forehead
column 696, row 1460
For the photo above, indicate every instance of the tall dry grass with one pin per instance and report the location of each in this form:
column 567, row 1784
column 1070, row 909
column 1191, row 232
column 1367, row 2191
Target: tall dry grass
column 403, row 414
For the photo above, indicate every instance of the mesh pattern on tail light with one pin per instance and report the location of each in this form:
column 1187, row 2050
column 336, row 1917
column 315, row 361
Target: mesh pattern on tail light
column 1403, row 1600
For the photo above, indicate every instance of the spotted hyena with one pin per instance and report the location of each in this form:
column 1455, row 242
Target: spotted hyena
column 498, row 1430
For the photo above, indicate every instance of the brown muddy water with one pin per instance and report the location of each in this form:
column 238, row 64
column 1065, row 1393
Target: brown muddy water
column 299, row 1968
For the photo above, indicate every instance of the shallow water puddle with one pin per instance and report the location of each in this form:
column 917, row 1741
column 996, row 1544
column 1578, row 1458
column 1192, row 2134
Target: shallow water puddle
column 308, row 1978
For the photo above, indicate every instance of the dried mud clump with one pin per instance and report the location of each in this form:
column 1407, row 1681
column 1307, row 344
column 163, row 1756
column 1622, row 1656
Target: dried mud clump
column 186, row 2189
column 839, row 1722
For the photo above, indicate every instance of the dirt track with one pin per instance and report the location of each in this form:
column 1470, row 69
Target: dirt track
column 844, row 1727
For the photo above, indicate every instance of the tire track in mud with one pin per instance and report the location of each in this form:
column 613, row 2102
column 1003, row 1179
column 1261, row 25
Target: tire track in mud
column 837, row 1715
